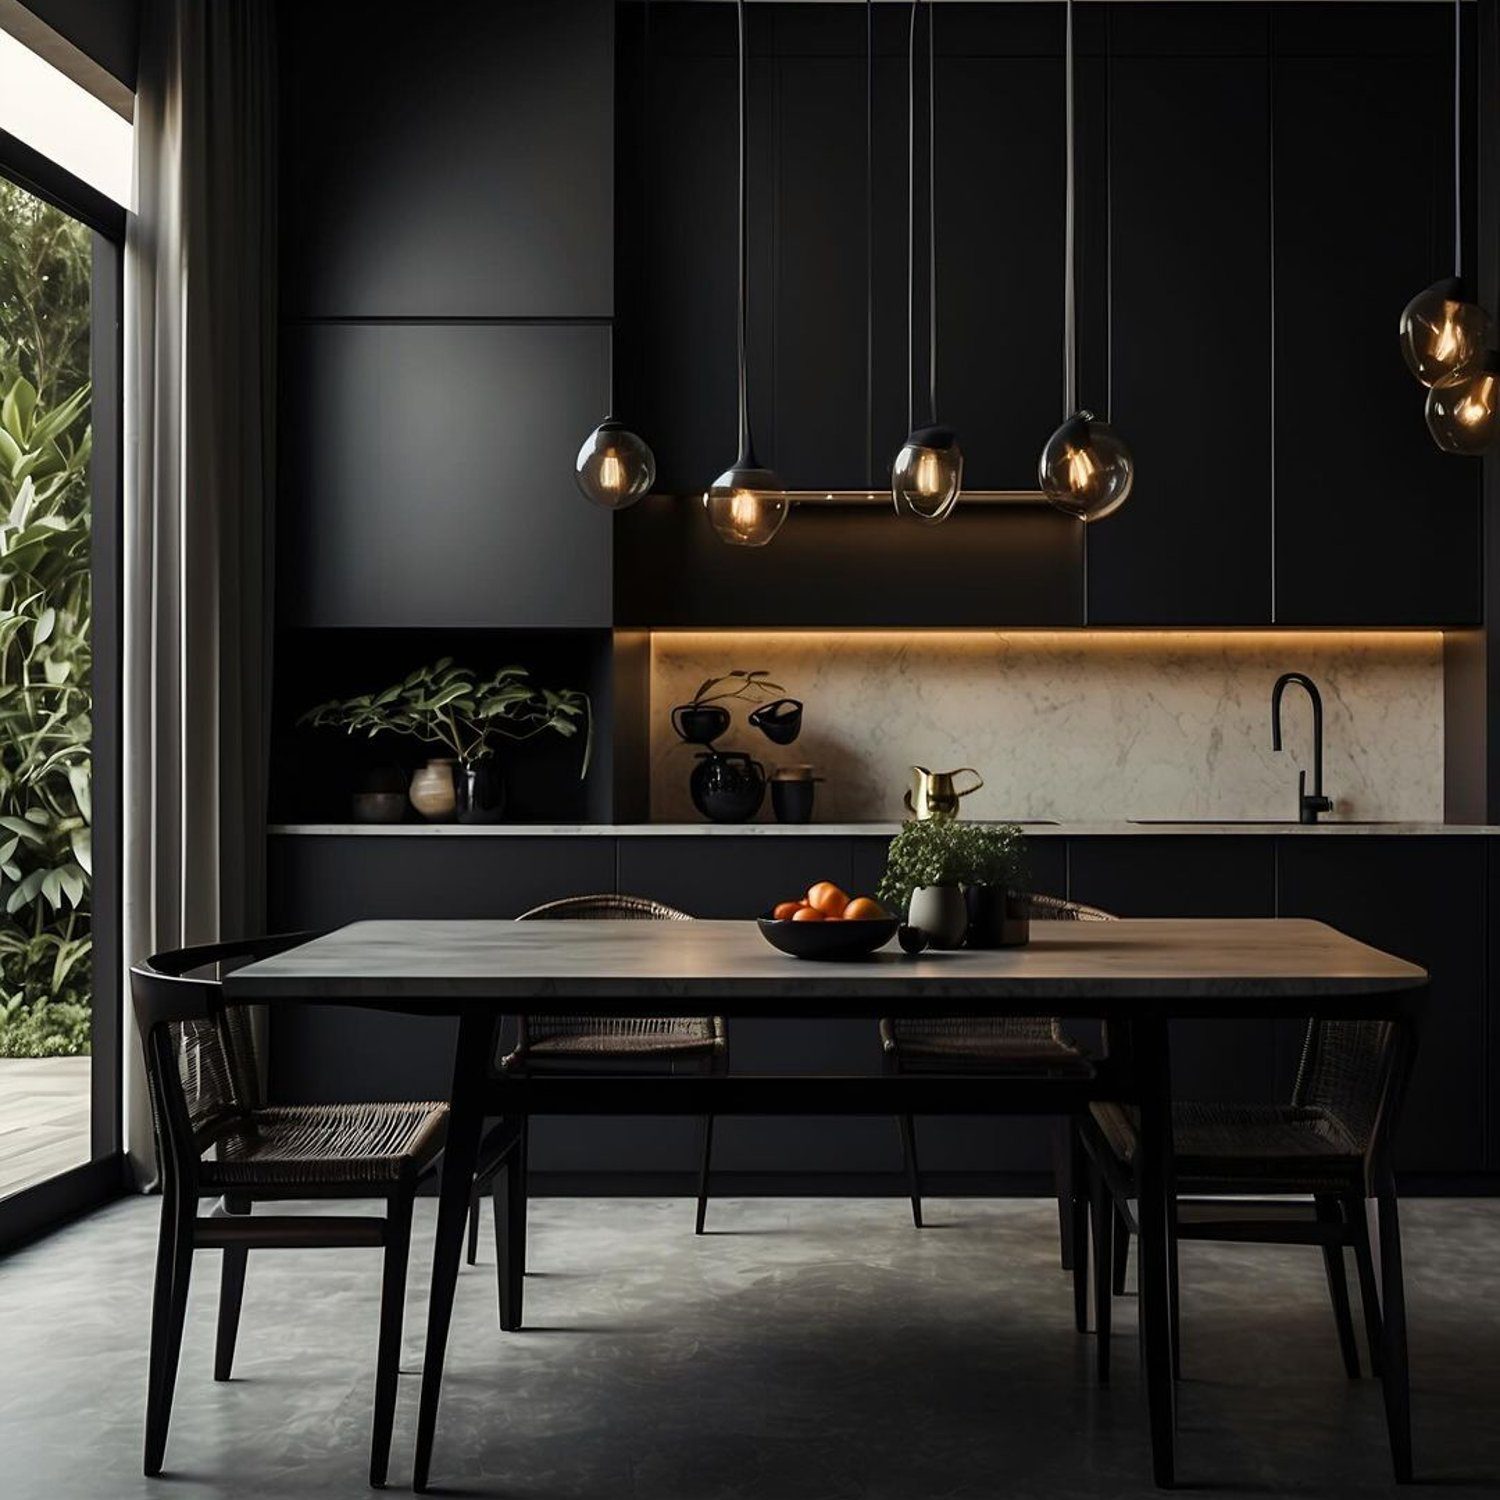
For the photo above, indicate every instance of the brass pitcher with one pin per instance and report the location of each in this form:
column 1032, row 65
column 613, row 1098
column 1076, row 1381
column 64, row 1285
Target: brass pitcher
column 933, row 793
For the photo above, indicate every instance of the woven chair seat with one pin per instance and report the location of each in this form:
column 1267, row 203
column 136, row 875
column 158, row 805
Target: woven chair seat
column 326, row 1145
column 1277, row 1147
column 1011, row 1045
column 596, row 1036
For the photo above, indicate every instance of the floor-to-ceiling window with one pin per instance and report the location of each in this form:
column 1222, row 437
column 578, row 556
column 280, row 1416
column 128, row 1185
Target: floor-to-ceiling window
column 60, row 1031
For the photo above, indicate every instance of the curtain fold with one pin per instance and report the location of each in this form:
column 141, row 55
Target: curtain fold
column 200, row 362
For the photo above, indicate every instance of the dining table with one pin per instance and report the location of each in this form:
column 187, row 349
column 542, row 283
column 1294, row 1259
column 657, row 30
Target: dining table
column 1136, row 976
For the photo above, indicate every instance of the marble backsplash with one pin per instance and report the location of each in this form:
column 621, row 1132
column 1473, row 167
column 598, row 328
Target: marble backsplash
column 1077, row 726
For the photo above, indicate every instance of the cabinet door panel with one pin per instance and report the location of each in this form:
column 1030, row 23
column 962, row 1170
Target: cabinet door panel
column 1191, row 877
column 427, row 476
column 1190, row 380
column 1373, row 524
column 458, row 167
column 1424, row 900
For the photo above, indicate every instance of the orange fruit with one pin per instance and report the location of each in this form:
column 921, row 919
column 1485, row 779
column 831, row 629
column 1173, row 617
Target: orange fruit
column 808, row 914
column 863, row 909
column 827, row 898
column 786, row 910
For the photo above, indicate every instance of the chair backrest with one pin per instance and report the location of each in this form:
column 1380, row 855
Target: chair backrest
column 1356, row 1073
column 201, row 1071
column 1055, row 909
column 605, row 908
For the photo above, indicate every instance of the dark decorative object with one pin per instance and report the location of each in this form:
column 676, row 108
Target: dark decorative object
column 379, row 807
column 940, row 911
column 998, row 917
column 828, row 940
column 912, row 939
column 792, row 798
column 700, row 723
column 481, row 792
column 727, row 786
column 780, row 722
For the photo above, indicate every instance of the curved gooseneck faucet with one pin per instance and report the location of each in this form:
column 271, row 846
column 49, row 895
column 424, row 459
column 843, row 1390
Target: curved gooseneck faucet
column 1309, row 805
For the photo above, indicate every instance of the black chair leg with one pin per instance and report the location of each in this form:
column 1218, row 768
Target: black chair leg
column 1077, row 1179
column 908, row 1131
column 174, row 1264
column 510, row 1234
column 1174, row 1288
column 1369, row 1291
column 392, row 1316
column 231, row 1295
column 1122, row 1250
column 703, row 1170
column 1329, row 1212
column 1065, row 1168
column 474, row 1201
column 1107, row 1243
column 1394, row 1376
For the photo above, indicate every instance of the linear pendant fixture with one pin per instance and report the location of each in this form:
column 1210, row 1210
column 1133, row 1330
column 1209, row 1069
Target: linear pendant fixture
column 1443, row 333
column 1086, row 470
column 928, row 473
column 746, row 504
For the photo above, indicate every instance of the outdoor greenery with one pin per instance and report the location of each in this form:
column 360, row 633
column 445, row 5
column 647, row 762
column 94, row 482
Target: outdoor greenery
column 45, row 629
column 454, row 707
column 945, row 851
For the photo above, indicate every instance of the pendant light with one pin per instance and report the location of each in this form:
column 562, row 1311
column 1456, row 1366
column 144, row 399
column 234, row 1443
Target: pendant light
column 1443, row 334
column 1085, row 470
column 928, row 473
column 1465, row 417
column 746, row 504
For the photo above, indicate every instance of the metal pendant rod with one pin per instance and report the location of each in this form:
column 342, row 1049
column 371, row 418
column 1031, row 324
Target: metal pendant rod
column 1458, row 139
column 1070, row 290
column 931, row 223
column 911, row 218
column 744, row 256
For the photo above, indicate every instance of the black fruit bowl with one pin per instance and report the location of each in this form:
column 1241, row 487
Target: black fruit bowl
column 829, row 940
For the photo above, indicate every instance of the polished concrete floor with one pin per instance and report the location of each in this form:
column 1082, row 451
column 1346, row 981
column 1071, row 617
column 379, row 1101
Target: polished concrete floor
column 802, row 1349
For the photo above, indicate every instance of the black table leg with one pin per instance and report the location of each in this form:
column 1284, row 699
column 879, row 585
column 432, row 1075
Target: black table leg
column 1153, row 1079
column 471, row 1063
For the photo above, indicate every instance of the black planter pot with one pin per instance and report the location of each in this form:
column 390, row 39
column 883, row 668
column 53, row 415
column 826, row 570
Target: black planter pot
column 700, row 724
column 792, row 801
column 997, row 917
column 480, row 790
column 727, row 786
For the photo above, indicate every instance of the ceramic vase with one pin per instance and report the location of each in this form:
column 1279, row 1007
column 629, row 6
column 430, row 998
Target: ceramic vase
column 940, row 911
column 997, row 917
column 433, row 791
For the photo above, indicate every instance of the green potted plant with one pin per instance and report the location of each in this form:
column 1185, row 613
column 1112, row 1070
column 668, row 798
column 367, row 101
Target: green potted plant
column 954, row 879
column 452, row 706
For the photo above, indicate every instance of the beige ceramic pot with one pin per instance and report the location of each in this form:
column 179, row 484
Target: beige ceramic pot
column 432, row 790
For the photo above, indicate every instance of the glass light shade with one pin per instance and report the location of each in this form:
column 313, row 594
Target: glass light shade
column 746, row 505
column 1465, row 417
column 1443, row 334
column 1086, row 470
column 614, row 468
column 928, row 474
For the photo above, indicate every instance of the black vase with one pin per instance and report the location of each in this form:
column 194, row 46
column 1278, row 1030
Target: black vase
column 998, row 917
column 480, row 792
column 700, row 723
column 727, row 786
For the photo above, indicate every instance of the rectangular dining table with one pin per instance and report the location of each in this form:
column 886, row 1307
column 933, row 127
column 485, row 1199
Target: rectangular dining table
column 1134, row 975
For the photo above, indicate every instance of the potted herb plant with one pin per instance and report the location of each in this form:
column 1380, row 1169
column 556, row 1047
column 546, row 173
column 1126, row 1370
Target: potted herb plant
column 956, row 881
column 452, row 706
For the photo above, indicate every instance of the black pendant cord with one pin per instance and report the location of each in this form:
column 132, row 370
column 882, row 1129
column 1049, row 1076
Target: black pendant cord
column 746, row 450
column 1070, row 290
column 869, row 242
column 931, row 223
column 911, row 219
column 1458, row 137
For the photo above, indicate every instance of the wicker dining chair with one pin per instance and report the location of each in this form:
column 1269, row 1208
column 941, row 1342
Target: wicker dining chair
column 215, row 1137
column 1303, row 1173
column 583, row 1044
column 1028, row 1046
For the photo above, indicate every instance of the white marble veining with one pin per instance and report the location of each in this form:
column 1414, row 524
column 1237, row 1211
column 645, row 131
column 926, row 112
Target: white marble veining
column 1077, row 726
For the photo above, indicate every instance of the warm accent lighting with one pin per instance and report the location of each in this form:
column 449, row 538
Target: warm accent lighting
column 614, row 468
column 1443, row 334
column 746, row 506
column 1085, row 469
column 1464, row 417
column 928, row 474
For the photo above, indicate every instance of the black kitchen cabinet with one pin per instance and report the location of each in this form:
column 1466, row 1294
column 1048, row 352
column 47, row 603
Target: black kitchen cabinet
column 1373, row 525
column 1147, row 876
column 1424, row 899
column 459, row 164
column 1190, row 378
column 427, row 476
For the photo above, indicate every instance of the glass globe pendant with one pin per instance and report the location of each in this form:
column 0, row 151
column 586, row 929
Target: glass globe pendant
column 1086, row 470
column 1464, row 417
column 746, row 504
column 928, row 474
column 614, row 467
column 1443, row 335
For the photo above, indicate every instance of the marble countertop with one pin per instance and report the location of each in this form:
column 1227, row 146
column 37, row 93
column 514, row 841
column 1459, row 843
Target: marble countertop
column 1124, row 828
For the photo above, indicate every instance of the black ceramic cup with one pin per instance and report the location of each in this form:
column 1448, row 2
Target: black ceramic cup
column 792, row 801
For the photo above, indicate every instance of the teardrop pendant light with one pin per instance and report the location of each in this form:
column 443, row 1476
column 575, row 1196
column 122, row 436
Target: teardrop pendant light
column 1085, row 470
column 1464, row 417
column 1443, row 333
column 928, row 473
column 746, row 504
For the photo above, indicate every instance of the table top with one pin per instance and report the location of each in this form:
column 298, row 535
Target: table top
column 1177, row 966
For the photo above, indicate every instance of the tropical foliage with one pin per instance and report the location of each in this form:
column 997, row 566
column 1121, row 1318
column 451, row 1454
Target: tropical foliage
column 46, row 807
column 454, row 707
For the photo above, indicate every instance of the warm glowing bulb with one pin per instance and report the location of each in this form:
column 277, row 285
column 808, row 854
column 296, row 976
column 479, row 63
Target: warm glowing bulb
column 1081, row 470
column 1464, row 417
column 929, row 478
column 611, row 472
column 614, row 468
column 928, row 474
column 1086, row 470
column 1443, row 334
column 746, row 505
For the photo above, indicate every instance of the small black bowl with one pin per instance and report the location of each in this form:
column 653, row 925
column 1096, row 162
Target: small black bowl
column 831, row 940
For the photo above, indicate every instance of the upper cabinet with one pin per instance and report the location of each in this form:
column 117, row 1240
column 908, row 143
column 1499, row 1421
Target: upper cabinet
column 448, row 163
column 1190, row 346
column 1374, row 526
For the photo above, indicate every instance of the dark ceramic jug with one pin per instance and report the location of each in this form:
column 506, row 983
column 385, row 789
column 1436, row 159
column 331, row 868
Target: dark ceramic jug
column 727, row 786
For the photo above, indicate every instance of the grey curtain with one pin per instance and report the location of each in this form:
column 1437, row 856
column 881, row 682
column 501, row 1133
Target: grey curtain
column 200, row 361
